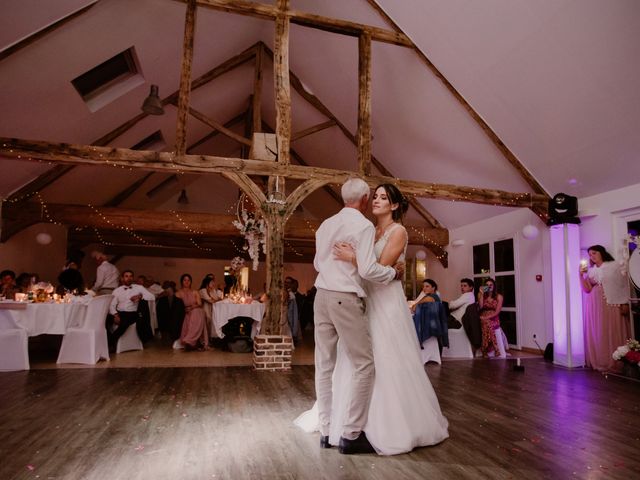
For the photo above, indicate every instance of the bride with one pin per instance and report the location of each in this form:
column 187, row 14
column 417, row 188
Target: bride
column 404, row 412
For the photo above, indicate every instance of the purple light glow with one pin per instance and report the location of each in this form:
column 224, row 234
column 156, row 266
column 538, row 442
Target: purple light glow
column 568, row 340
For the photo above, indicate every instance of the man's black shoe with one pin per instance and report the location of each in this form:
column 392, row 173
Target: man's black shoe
column 324, row 441
column 359, row 445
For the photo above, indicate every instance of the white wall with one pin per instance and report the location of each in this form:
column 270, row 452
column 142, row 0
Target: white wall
column 22, row 253
column 534, row 300
column 604, row 215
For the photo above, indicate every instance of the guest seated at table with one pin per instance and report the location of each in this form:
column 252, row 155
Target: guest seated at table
column 428, row 294
column 263, row 296
column 209, row 294
column 8, row 286
column 124, row 308
column 458, row 306
column 170, row 311
column 71, row 281
column 430, row 316
column 194, row 328
column 149, row 284
column 23, row 282
column 229, row 282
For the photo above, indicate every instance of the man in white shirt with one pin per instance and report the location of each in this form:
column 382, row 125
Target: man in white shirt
column 107, row 275
column 124, row 307
column 458, row 306
column 339, row 313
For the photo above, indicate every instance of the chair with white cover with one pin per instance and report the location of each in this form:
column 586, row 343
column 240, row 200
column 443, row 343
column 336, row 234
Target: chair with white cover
column 459, row 345
column 14, row 345
column 88, row 343
column 129, row 341
column 430, row 351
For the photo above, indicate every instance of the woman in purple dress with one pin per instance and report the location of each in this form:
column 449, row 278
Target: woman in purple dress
column 194, row 328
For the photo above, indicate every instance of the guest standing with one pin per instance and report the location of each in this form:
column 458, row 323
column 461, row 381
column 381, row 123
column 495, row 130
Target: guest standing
column 490, row 303
column 194, row 328
column 605, row 308
column 107, row 275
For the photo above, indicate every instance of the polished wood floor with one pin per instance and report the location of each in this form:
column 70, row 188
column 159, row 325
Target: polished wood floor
column 235, row 423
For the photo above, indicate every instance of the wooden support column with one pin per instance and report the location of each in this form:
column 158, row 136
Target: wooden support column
column 256, row 99
column 275, row 267
column 281, row 83
column 185, row 78
column 364, row 104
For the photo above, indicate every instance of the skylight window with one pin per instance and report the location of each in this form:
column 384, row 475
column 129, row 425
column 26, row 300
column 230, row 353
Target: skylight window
column 109, row 80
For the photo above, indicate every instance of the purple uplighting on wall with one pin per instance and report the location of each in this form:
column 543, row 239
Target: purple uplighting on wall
column 568, row 340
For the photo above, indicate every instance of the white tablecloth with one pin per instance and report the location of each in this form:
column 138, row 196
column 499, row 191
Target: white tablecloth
column 224, row 311
column 41, row 318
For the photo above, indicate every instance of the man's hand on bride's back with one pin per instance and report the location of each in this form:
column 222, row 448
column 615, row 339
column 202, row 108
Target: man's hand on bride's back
column 399, row 268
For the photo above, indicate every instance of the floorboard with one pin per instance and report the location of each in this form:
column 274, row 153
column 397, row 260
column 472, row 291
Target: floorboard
column 235, row 423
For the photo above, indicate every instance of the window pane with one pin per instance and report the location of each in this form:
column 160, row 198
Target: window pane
column 506, row 285
column 481, row 259
column 503, row 255
column 508, row 325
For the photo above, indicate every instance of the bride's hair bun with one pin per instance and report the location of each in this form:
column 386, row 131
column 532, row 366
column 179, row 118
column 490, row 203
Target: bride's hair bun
column 404, row 204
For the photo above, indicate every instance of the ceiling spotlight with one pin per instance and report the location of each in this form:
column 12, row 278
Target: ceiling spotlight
column 152, row 104
column 183, row 197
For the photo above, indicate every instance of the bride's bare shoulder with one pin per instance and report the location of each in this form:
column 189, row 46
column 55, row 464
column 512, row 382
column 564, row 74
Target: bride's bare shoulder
column 398, row 231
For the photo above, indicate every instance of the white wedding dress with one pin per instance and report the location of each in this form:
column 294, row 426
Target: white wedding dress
column 404, row 412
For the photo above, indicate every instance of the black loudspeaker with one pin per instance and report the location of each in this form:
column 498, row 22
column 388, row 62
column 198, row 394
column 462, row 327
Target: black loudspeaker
column 563, row 208
column 548, row 353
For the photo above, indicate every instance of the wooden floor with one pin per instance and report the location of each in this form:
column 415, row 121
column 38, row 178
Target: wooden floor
column 235, row 423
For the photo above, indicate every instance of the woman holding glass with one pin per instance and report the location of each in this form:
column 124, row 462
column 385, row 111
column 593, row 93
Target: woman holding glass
column 490, row 304
column 605, row 308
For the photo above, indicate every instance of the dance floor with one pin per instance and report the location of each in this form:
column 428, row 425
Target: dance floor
column 235, row 423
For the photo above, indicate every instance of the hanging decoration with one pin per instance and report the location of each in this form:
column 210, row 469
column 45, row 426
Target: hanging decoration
column 253, row 230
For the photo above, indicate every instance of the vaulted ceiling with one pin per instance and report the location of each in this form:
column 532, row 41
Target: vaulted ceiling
column 556, row 83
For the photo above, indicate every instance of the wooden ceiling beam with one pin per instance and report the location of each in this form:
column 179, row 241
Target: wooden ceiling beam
column 164, row 161
column 311, row 130
column 363, row 136
column 185, row 78
column 218, row 126
column 333, row 25
column 178, row 223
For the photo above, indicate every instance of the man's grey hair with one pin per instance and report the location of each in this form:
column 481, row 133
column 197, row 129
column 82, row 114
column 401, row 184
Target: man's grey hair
column 353, row 190
column 98, row 255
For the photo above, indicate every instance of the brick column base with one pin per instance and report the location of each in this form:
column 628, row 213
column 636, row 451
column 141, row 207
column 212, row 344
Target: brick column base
column 272, row 352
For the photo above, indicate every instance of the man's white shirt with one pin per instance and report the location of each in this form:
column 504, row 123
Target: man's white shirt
column 122, row 298
column 350, row 226
column 107, row 276
column 459, row 305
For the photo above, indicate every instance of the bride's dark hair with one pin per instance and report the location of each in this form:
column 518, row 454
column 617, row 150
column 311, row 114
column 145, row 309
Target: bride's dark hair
column 395, row 196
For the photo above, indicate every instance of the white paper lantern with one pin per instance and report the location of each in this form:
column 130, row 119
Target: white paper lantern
column 530, row 232
column 43, row 238
column 421, row 255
